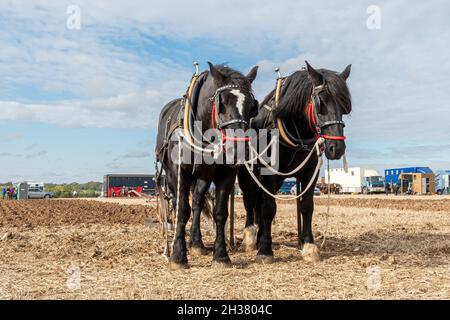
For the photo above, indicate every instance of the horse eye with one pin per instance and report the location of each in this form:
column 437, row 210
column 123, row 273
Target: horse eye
column 323, row 105
column 319, row 105
column 221, row 104
column 224, row 100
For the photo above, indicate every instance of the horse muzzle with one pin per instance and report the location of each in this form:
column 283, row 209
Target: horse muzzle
column 334, row 149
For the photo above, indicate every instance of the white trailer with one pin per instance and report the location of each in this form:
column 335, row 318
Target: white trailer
column 36, row 185
column 356, row 180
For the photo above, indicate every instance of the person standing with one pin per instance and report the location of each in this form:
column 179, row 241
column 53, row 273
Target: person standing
column 387, row 188
column 13, row 193
column 396, row 188
column 410, row 191
column 3, row 192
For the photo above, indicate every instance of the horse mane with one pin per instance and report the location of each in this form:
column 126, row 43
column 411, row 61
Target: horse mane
column 297, row 88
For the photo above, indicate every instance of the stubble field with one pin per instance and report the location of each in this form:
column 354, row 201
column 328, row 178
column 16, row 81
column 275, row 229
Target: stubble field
column 377, row 248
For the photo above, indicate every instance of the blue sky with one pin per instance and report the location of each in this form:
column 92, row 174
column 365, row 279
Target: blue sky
column 77, row 104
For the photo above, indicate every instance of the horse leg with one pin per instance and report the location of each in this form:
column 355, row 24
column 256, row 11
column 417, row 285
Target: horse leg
column 178, row 259
column 224, row 187
column 198, row 202
column 249, row 190
column 268, row 210
column 310, row 251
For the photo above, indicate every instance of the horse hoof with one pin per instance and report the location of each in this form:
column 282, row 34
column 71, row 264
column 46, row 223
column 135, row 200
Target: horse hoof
column 310, row 253
column 223, row 263
column 249, row 248
column 173, row 266
column 198, row 251
column 263, row 259
column 249, row 239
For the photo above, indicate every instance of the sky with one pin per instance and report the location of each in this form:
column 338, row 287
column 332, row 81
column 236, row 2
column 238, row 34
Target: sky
column 80, row 98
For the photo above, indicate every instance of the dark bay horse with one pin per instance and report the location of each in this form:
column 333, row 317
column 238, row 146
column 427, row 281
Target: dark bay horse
column 224, row 101
column 310, row 106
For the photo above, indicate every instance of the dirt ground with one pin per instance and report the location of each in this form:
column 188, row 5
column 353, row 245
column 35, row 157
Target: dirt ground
column 377, row 248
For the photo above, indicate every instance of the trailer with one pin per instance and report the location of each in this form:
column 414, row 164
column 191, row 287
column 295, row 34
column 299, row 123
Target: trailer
column 124, row 185
column 392, row 176
column 442, row 181
column 356, row 180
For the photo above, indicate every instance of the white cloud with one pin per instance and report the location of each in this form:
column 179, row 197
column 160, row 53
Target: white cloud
column 35, row 155
column 10, row 137
column 133, row 110
column 107, row 75
column 137, row 154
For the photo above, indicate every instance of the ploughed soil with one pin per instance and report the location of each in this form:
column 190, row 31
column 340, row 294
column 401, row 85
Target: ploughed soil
column 375, row 248
column 47, row 213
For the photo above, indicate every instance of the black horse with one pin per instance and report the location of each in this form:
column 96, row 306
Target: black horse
column 310, row 106
column 223, row 100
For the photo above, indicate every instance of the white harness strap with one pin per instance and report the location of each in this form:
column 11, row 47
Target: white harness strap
column 265, row 106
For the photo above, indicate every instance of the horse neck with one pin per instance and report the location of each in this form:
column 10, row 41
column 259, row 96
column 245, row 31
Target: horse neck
column 297, row 120
column 204, row 106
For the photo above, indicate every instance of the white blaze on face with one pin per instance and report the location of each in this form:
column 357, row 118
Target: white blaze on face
column 240, row 100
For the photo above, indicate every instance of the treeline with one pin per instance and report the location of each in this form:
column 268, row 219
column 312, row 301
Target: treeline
column 69, row 190
column 75, row 190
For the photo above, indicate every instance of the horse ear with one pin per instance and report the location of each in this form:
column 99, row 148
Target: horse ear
column 346, row 73
column 252, row 74
column 313, row 73
column 217, row 76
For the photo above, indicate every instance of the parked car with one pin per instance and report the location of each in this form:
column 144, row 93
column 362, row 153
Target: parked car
column 286, row 187
column 38, row 193
column 316, row 191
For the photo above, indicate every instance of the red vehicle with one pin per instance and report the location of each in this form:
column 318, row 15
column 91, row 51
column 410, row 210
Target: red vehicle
column 118, row 185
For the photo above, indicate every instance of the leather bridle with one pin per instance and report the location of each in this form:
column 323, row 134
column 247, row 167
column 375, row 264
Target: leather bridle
column 216, row 119
column 315, row 124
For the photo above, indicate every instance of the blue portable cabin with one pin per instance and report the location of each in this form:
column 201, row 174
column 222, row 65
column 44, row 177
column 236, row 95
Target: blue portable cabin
column 391, row 175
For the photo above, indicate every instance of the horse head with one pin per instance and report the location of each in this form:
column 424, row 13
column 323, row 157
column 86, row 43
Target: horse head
column 330, row 100
column 228, row 104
